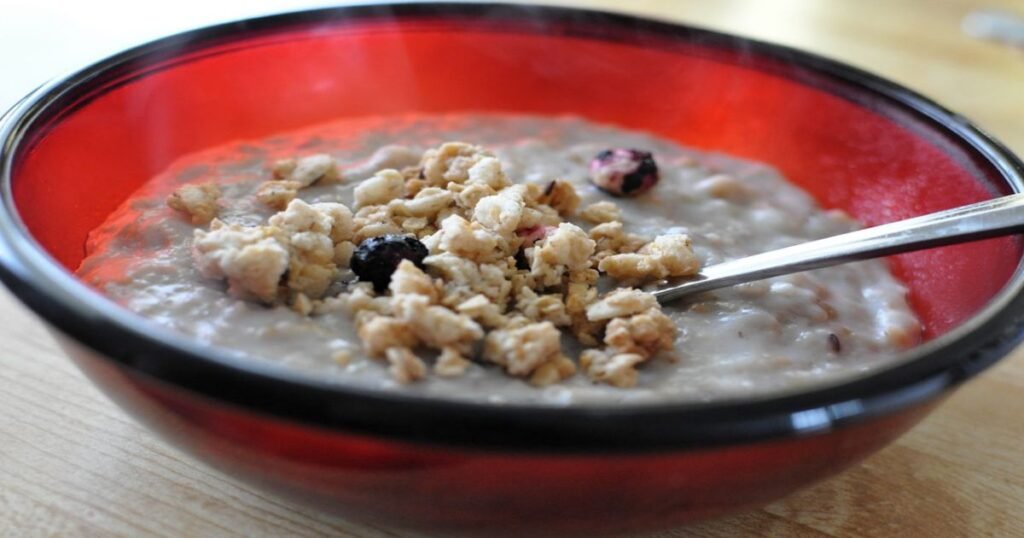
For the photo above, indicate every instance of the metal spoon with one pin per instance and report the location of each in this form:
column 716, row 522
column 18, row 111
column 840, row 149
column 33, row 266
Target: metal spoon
column 991, row 218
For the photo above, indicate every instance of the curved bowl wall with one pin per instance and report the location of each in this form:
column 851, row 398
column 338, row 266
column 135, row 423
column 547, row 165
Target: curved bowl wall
column 451, row 491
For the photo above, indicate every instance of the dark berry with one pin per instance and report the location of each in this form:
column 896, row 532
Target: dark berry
column 624, row 172
column 521, row 262
column 376, row 258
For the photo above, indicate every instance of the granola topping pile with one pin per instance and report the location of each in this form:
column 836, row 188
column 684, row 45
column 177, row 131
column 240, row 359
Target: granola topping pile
column 511, row 268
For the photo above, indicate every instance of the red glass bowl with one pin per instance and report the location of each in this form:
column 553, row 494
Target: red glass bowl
column 77, row 147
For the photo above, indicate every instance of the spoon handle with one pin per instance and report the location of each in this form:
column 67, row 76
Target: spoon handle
column 995, row 217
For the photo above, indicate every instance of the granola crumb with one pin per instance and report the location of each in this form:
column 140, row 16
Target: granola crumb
column 319, row 168
column 381, row 332
column 411, row 280
column 281, row 168
column 487, row 172
column 612, row 239
column 667, row 256
column 644, row 334
column 556, row 370
column 621, row 303
column 618, row 370
column 252, row 260
column 384, row 186
column 343, row 251
column 467, row 239
column 426, row 204
column 548, row 307
column 567, row 248
column 302, row 305
column 451, row 163
column 601, row 212
column 277, row 194
column 310, row 230
column 561, row 195
column 436, row 326
column 405, row 367
column 675, row 253
column 450, row 363
column 500, row 212
column 199, row 202
column 483, row 311
column 521, row 350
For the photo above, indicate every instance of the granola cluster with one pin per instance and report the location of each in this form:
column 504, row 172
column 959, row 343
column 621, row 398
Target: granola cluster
column 508, row 270
column 199, row 202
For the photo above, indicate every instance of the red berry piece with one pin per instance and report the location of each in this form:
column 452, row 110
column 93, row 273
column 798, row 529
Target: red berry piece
column 530, row 236
column 624, row 172
column 533, row 234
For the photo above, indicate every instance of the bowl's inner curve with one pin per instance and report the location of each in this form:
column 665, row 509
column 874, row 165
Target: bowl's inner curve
column 77, row 168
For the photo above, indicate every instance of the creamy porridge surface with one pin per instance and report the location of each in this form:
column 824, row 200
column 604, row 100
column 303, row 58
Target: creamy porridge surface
column 775, row 335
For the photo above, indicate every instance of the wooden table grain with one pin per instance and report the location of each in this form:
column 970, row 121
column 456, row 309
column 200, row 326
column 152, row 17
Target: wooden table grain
column 72, row 464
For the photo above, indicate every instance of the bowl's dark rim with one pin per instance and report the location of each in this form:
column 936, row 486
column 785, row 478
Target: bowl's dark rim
column 161, row 356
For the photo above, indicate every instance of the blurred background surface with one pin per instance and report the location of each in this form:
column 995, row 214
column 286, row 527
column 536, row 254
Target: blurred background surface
column 920, row 43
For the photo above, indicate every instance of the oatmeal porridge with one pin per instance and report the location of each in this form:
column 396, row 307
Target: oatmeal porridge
column 494, row 258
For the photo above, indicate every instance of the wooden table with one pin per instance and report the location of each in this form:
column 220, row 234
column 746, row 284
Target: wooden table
column 72, row 464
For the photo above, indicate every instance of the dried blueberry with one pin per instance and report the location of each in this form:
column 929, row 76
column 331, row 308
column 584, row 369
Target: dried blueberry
column 521, row 262
column 624, row 172
column 377, row 257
